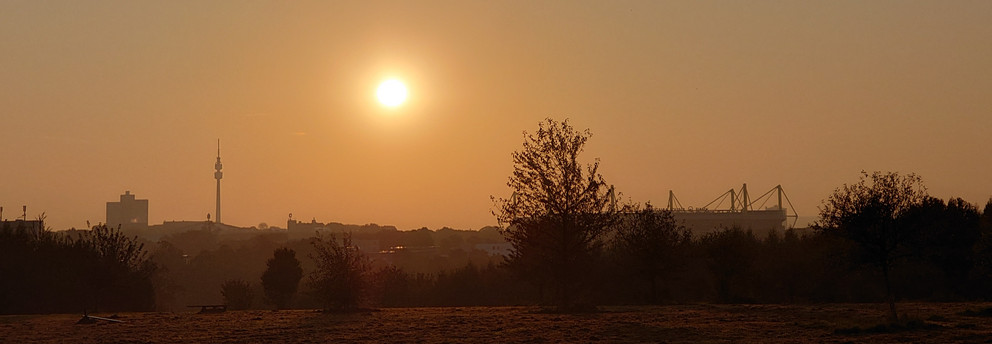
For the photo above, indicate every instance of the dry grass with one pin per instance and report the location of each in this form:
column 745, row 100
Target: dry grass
column 827, row 323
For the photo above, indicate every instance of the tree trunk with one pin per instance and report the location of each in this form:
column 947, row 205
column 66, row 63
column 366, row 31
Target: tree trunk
column 654, row 290
column 889, row 297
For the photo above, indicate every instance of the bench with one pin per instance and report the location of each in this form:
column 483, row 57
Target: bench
column 211, row 308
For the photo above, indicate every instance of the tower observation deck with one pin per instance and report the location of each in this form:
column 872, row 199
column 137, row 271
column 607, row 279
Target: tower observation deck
column 218, row 175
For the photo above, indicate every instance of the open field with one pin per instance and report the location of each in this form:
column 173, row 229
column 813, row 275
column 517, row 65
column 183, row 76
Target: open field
column 821, row 323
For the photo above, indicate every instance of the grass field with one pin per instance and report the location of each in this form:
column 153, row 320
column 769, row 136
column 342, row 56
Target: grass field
column 819, row 323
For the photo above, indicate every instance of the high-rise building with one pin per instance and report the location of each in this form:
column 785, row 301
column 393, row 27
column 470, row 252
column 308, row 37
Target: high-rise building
column 129, row 213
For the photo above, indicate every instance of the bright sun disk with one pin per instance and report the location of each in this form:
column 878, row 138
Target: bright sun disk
column 391, row 93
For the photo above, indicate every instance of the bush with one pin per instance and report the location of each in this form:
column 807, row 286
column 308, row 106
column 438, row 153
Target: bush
column 237, row 294
column 340, row 277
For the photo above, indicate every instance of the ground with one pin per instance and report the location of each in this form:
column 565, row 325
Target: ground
column 818, row 323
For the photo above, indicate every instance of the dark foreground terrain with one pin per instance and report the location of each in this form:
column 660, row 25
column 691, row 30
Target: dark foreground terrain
column 827, row 323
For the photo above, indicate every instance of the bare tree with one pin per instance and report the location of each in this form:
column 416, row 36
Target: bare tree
column 341, row 274
column 650, row 243
column 558, row 213
column 120, row 260
column 237, row 294
column 870, row 214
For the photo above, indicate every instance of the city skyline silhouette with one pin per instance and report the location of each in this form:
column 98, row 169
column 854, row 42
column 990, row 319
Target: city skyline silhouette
column 105, row 97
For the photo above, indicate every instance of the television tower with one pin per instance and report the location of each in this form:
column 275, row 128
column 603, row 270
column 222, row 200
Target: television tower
column 218, row 175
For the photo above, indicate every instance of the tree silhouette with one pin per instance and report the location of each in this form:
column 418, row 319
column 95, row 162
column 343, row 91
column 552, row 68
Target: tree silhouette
column 986, row 220
column 340, row 277
column 730, row 257
column 650, row 243
column 558, row 213
column 282, row 277
column 871, row 214
column 945, row 235
column 392, row 286
column 118, row 271
column 983, row 250
column 95, row 270
column 237, row 294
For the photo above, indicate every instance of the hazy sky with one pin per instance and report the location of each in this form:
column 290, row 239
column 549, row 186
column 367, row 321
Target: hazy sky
column 99, row 97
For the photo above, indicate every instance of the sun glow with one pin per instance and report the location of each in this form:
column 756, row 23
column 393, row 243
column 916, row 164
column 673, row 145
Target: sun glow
column 391, row 93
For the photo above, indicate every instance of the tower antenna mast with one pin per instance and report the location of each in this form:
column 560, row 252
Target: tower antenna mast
column 218, row 175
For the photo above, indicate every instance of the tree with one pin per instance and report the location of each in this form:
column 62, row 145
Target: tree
column 392, row 287
column 120, row 273
column 983, row 250
column 237, row 294
column 282, row 277
column 871, row 215
column 730, row 256
column 558, row 213
column 71, row 271
column 945, row 236
column 649, row 242
column 986, row 220
column 341, row 274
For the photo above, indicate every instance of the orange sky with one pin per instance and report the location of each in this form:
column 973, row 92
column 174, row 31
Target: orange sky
column 99, row 97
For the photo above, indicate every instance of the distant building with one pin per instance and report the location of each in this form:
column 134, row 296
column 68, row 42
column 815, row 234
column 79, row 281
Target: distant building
column 174, row 227
column 129, row 213
column 23, row 225
column 760, row 222
column 33, row 227
column 300, row 229
column 741, row 213
column 496, row 249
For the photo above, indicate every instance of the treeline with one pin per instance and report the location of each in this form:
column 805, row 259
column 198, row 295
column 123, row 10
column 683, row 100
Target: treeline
column 103, row 269
column 946, row 257
column 949, row 258
column 882, row 238
column 73, row 271
column 192, row 266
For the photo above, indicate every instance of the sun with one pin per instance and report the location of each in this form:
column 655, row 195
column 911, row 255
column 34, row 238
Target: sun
column 391, row 93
